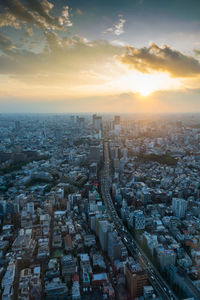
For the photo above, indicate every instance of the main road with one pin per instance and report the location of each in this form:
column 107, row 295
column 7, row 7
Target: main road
column 156, row 280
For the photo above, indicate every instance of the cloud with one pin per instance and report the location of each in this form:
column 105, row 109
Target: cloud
column 19, row 11
column 42, row 9
column 53, row 41
column 197, row 52
column 63, row 60
column 161, row 59
column 79, row 12
column 8, row 19
column 5, row 43
column 29, row 31
column 35, row 13
column 64, row 20
column 67, row 69
column 47, row 6
column 118, row 27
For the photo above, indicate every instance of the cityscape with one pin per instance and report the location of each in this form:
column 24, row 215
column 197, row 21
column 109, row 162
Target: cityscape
column 99, row 150
column 99, row 207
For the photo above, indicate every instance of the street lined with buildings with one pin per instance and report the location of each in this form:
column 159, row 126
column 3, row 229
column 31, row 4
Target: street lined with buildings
column 154, row 277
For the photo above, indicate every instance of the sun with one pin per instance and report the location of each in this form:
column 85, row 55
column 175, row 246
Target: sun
column 146, row 87
column 144, row 93
column 146, row 84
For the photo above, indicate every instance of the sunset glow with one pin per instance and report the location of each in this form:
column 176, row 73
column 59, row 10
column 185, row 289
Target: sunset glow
column 145, row 84
column 60, row 54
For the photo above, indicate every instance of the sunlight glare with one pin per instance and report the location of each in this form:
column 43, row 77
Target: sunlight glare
column 145, row 84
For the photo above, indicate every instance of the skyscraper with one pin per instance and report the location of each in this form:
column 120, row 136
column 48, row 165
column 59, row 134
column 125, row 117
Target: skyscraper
column 96, row 122
column 117, row 120
column 179, row 207
column 114, row 250
column 117, row 126
column 136, row 278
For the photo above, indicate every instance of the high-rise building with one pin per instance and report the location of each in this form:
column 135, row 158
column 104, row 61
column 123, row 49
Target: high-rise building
column 80, row 121
column 117, row 120
column 104, row 228
column 17, row 125
column 166, row 257
column 93, row 170
column 117, row 127
column 72, row 119
column 136, row 278
column 124, row 153
column 138, row 220
column 114, row 250
column 122, row 164
column 116, row 164
column 114, row 152
column 179, row 207
column 95, row 153
column 96, row 122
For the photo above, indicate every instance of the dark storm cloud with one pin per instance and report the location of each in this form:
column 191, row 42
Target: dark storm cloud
column 163, row 59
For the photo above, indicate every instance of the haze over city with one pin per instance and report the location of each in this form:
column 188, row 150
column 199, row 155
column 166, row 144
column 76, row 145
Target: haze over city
column 99, row 56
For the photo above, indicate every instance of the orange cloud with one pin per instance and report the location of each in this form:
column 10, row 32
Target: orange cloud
column 160, row 59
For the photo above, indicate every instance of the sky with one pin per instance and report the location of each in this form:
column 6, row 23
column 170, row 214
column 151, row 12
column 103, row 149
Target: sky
column 123, row 56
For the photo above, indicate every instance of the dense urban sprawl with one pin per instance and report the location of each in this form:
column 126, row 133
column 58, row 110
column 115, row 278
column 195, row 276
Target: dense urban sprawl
column 60, row 238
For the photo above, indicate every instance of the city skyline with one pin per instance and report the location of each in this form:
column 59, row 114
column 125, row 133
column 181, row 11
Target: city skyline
column 123, row 56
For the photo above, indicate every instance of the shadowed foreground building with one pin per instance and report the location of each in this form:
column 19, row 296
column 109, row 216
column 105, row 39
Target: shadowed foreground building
column 136, row 278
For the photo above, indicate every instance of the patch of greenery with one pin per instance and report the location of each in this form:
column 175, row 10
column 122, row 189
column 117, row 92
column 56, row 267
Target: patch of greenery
column 18, row 165
column 165, row 159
